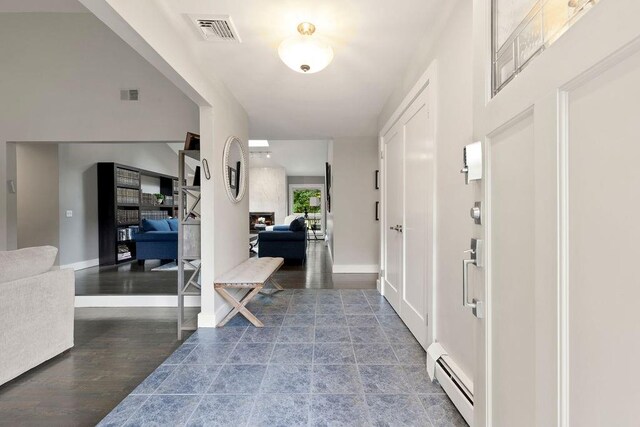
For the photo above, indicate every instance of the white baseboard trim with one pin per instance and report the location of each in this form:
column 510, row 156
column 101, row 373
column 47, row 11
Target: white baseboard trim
column 457, row 397
column 355, row 268
column 207, row 320
column 134, row 301
column 81, row 265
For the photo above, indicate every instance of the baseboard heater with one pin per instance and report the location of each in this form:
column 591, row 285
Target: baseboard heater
column 455, row 383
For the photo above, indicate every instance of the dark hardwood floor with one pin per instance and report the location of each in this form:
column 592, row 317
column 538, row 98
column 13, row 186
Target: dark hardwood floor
column 115, row 349
column 126, row 279
column 316, row 273
column 132, row 279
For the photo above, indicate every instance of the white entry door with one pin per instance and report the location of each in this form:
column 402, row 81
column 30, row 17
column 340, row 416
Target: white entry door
column 409, row 169
column 560, row 341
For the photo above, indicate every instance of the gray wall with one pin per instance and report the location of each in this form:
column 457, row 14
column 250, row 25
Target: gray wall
column 305, row 180
column 355, row 234
column 79, row 185
column 37, row 195
column 60, row 81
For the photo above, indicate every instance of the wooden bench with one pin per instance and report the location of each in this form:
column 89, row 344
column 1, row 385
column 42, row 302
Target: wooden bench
column 252, row 274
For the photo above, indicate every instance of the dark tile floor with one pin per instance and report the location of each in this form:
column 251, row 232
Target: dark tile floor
column 132, row 279
column 324, row 357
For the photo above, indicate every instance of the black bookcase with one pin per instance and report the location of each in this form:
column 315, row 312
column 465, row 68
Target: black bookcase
column 121, row 205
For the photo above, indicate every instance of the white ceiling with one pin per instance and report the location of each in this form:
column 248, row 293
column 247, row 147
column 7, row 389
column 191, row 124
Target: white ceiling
column 299, row 158
column 373, row 41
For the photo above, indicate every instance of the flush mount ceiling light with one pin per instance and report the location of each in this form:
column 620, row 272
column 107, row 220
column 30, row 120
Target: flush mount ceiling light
column 304, row 52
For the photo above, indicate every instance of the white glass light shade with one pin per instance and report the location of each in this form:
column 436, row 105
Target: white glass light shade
column 314, row 202
column 305, row 54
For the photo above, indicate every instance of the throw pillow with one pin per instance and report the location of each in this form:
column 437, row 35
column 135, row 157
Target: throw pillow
column 297, row 224
column 155, row 225
column 173, row 224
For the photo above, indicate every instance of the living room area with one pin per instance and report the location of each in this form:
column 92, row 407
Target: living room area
column 122, row 115
column 101, row 198
column 288, row 180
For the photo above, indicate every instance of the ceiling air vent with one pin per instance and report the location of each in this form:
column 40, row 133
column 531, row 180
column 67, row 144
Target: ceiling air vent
column 216, row 28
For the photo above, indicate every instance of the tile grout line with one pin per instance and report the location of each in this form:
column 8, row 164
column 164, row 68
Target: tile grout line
column 364, row 394
column 313, row 358
column 313, row 342
column 264, row 376
column 133, row 413
column 215, row 376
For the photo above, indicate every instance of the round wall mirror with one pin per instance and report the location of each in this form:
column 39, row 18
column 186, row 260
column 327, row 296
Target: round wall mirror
column 234, row 169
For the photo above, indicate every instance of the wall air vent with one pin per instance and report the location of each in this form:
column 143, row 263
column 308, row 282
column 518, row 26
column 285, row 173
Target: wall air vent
column 129, row 95
column 216, row 28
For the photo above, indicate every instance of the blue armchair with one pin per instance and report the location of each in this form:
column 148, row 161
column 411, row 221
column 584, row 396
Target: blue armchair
column 285, row 241
column 158, row 239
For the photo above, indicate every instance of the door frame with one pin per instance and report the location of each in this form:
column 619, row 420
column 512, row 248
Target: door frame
column 538, row 92
column 428, row 78
column 293, row 187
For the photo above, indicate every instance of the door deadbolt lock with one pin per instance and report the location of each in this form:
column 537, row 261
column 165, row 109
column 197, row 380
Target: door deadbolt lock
column 476, row 213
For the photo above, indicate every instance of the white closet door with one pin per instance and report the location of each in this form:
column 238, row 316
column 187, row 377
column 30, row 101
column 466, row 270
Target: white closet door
column 418, row 214
column 409, row 232
column 394, row 201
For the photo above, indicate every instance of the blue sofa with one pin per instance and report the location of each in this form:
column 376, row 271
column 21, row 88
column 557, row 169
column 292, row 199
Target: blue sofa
column 285, row 241
column 157, row 239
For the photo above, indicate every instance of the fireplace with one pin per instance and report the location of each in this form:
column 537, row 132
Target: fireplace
column 258, row 221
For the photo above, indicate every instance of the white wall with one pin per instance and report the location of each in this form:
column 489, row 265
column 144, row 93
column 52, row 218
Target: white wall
column 60, row 80
column 225, row 224
column 452, row 50
column 37, row 195
column 79, row 184
column 268, row 192
column 329, row 220
column 355, row 235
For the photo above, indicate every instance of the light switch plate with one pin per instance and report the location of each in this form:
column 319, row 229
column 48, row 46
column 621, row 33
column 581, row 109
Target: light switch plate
column 69, row 214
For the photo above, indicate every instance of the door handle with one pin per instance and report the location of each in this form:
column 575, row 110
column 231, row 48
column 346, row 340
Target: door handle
column 465, row 282
column 476, row 251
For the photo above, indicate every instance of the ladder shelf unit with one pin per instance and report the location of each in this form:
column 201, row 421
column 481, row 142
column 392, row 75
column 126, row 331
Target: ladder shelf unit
column 188, row 240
